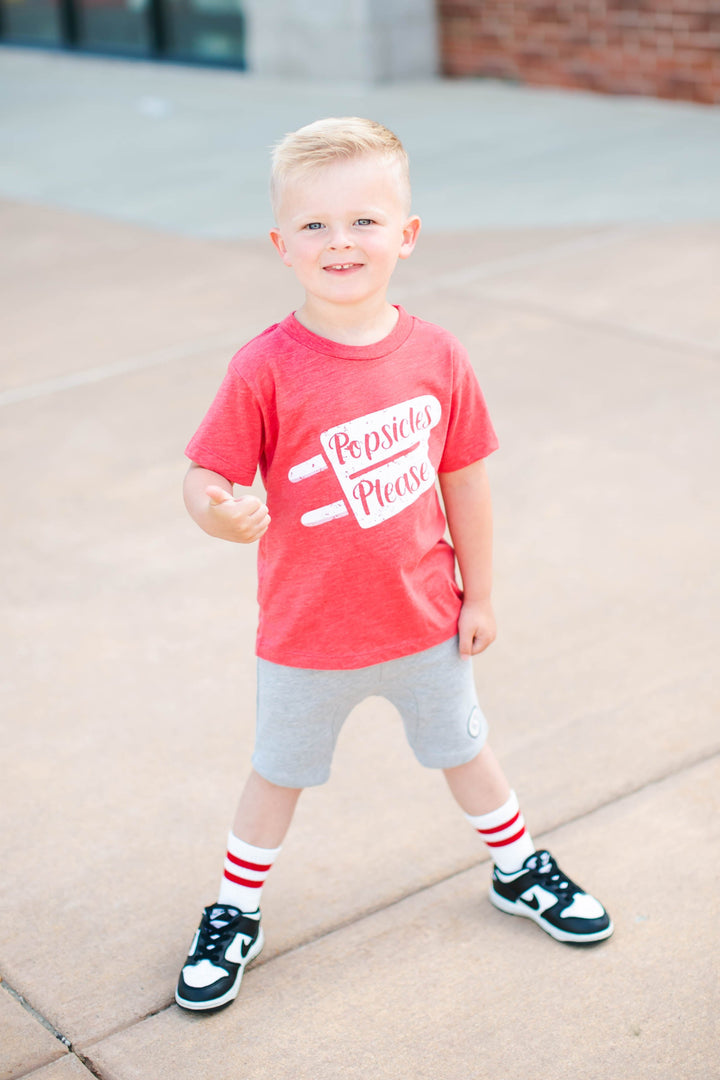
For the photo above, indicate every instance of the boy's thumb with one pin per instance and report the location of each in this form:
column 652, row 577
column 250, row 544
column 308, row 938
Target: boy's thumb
column 217, row 495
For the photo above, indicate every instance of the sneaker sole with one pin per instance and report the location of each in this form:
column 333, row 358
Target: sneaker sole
column 232, row 993
column 511, row 908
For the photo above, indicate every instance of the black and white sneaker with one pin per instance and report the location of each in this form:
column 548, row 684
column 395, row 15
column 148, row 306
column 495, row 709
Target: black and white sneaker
column 540, row 891
column 225, row 942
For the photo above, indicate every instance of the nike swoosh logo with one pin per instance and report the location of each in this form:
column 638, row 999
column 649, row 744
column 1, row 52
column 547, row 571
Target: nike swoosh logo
column 534, row 903
column 245, row 949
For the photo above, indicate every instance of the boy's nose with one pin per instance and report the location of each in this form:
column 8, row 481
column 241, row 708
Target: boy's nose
column 339, row 239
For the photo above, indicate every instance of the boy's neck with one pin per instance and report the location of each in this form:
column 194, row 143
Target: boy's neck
column 348, row 325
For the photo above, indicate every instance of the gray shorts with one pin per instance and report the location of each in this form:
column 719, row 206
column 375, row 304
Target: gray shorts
column 300, row 712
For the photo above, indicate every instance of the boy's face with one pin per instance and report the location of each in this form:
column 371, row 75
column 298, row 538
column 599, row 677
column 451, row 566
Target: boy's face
column 342, row 229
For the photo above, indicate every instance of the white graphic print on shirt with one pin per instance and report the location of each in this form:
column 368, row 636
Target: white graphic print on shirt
column 380, row 459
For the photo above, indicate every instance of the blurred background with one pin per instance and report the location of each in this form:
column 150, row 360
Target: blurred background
column 665, row 48
column 515, row 114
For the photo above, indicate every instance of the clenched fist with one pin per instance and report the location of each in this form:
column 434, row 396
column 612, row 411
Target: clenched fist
column 242, row 520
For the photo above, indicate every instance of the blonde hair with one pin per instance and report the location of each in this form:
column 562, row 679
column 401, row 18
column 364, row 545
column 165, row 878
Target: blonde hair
column 325, row 142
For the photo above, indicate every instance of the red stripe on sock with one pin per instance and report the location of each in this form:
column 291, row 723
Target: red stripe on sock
column 243, row 881
column 499, row 828
column 247, row 865
column 510, row 839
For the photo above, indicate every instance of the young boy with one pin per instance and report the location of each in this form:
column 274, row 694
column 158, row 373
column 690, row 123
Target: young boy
column 352, row 409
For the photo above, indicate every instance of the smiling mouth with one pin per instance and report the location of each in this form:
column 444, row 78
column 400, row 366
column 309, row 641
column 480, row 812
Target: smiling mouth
column 343, row 266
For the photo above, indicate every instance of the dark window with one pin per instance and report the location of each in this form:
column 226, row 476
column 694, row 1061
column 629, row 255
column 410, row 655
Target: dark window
column 114, row 26
column 205, row 31
column 32, row 21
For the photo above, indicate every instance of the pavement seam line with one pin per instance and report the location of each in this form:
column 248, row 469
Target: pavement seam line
column 45, row 1023
column 88, row 376
column 686, row 765
column 605, row 236
column 491, row 268
column 87, row 1064
column 16, row 996
column 667, row 341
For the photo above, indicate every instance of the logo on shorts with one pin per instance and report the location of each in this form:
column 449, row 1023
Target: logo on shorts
column 380, row 460
column 474, row 724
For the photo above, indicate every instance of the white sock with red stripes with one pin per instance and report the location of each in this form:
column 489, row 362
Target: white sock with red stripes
column 246, row 868
column 504, row 832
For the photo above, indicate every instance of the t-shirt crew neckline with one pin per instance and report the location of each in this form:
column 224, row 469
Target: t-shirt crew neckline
column 399, row 334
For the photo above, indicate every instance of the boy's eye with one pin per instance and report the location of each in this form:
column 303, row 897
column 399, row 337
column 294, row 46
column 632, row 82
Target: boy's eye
column 364, row 221
column 314, row 225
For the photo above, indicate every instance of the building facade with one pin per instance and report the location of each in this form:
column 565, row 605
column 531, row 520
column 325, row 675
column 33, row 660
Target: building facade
column 662, row 48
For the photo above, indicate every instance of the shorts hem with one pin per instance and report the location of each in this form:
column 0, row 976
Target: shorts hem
column 287, row 781
column 465, row 759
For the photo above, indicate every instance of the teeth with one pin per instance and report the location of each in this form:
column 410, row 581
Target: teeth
column 342, row 266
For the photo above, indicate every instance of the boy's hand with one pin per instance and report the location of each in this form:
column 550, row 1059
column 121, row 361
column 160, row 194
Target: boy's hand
column 242, row 520
column 476, row 628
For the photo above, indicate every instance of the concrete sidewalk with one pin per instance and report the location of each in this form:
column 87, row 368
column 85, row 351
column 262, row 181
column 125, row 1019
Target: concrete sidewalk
column 127, row 634
column 186, row 149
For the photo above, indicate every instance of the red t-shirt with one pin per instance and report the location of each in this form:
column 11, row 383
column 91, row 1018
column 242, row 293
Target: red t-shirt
column 354, row 569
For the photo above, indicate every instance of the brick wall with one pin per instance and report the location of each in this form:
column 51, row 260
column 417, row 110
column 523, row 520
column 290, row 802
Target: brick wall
column 663, row 48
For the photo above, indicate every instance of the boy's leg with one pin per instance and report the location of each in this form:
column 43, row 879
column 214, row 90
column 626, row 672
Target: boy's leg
column 261, row 821
column 230, row 934
column 434, row 692
column 482, row 791
column 480, row 785
column 525, row 881
column 264, row 811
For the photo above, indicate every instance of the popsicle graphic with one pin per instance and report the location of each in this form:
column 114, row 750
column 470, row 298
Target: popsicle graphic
column 380, row 460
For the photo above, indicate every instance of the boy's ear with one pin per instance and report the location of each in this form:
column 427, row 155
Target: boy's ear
column 411, row 230
column 279, row 245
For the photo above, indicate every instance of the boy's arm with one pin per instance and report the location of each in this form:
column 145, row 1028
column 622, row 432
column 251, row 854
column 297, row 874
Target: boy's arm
column 210, row 502
column 466, row 494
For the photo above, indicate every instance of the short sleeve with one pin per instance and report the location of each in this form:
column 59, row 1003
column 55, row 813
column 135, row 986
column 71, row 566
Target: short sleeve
column 230, row 439
column 470, row 433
